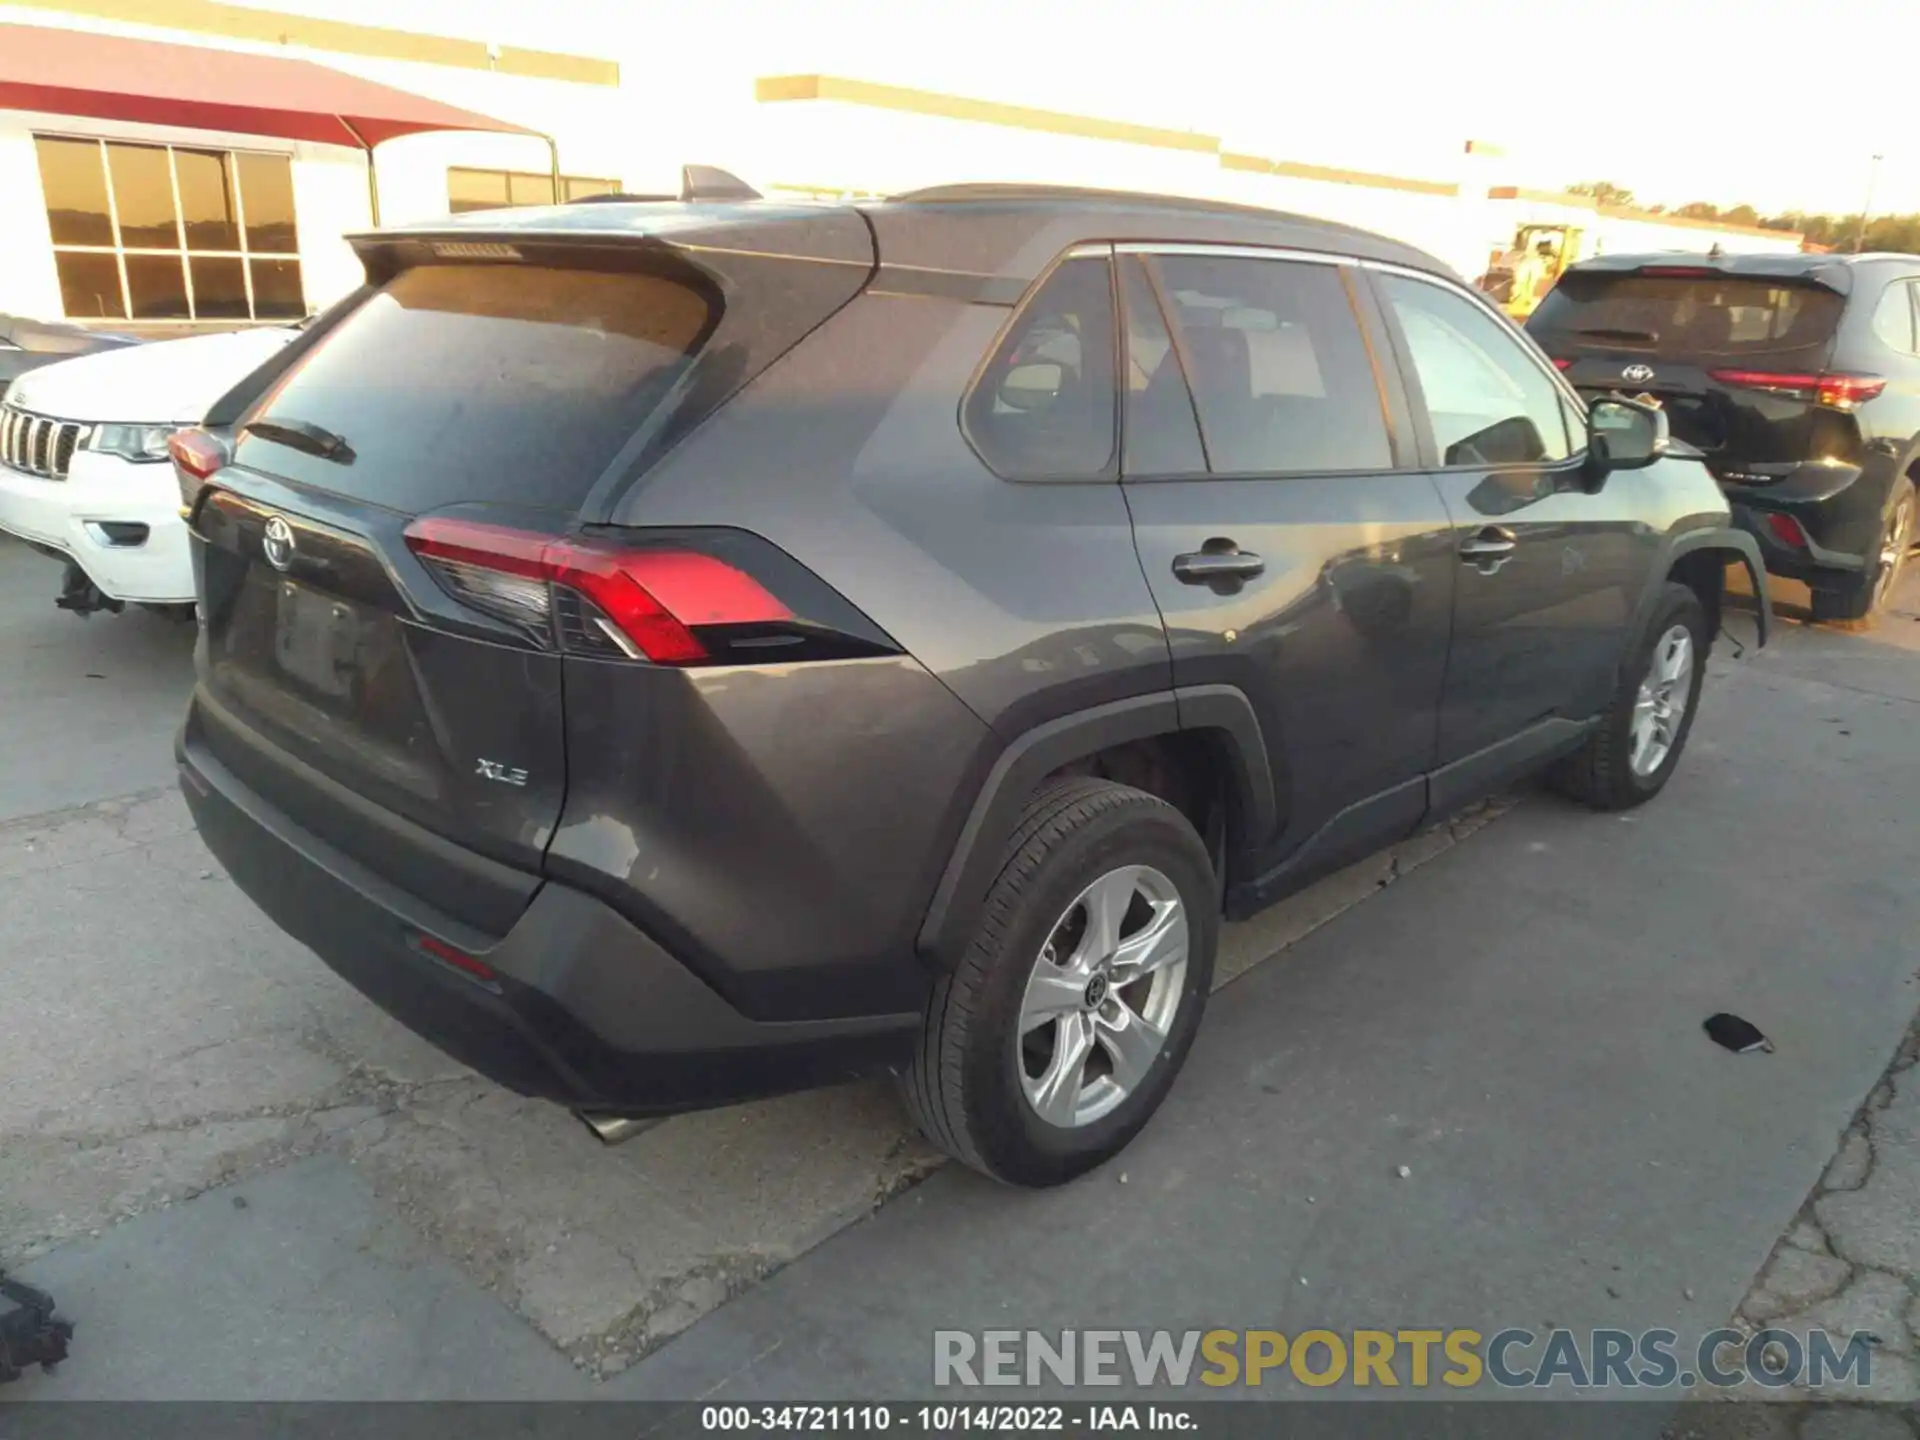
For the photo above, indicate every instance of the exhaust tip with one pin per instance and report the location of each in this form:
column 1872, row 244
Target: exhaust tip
column 616, row 1129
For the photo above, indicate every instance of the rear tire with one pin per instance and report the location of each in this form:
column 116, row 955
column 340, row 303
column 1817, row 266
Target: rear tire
column 1629, row 757
column 998, row 1087
column 1865, row 597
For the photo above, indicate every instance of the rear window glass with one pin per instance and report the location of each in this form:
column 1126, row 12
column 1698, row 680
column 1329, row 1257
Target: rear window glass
column 501, row 383
column 1680, row 315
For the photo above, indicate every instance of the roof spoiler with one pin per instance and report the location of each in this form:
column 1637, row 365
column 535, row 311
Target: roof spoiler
column 1790, row 267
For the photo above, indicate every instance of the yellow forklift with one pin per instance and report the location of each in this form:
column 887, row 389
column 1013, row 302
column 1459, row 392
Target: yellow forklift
column 1518, row 277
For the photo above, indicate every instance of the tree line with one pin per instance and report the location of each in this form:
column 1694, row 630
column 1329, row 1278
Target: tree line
column 1840, row 232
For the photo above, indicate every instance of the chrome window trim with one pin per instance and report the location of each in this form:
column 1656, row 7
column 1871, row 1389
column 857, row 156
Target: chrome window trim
column 1235, row 252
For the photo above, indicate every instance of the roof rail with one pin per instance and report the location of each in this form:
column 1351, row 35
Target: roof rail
column 1003, row 193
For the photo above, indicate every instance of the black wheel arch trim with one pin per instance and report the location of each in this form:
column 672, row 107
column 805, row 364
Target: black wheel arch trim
column 1226, row 709
column 1047, row 747
column 1738, row 543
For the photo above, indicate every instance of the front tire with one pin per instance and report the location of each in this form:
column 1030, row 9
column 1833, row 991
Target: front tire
column 1051, row 1043
column 1630, row 756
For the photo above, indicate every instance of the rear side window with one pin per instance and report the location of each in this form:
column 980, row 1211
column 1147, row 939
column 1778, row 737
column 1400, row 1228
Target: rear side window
column 1675, row 316
column 500, row 383
column 1278, row 366
column 1044, row 406
column 1893, row 318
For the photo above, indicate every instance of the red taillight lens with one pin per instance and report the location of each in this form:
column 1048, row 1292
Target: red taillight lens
column 1679, row 272
column 1843, row 392
column 1561, row 364
column 584, row 595
column 196, row 452
column 1835, row 392
column 1787, row 530
column 196, row 456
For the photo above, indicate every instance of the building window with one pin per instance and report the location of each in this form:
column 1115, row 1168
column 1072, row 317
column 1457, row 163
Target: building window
column 497, row 189
column 168, row 232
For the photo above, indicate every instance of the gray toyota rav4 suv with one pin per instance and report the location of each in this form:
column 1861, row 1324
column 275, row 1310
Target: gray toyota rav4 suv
column 672, row 653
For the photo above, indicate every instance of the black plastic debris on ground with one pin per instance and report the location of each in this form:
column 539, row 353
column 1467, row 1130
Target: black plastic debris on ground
column 29, row 1335
column 1742, row 1037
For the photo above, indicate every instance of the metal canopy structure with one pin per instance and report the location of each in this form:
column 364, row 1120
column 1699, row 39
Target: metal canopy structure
column 111, row 77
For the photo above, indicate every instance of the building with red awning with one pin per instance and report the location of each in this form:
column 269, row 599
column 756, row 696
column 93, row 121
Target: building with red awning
column 205, row 180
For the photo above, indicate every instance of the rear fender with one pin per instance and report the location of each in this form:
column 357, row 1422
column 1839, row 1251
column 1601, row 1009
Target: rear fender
column 954, row 912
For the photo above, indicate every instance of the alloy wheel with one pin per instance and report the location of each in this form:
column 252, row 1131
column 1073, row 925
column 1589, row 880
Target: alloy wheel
column 1893, row 550
column 1662, row 702
column 1102, row 996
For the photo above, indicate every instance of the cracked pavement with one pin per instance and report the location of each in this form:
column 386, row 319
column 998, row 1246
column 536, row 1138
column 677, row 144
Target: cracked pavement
column 195, row 1102
column 1851, row 1260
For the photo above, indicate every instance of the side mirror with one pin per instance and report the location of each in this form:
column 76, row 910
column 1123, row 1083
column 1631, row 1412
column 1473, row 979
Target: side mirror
column 1625, row 435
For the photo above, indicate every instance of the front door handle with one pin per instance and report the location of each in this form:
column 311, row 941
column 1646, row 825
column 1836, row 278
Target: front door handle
column 1488, row 548
column 1229, row 562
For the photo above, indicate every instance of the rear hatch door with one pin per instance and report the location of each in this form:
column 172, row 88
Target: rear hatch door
column 336, row 676
column 410, row 713
column 1735, row 359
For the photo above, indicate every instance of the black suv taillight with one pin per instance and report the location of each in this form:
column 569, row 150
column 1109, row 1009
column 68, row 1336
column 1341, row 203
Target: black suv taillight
column 694, row 597
column 1834, row 392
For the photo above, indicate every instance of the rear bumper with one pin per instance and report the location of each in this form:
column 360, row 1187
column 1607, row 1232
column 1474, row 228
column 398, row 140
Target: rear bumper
column 67, row 515
column 1837, row 508
column 583, row 1008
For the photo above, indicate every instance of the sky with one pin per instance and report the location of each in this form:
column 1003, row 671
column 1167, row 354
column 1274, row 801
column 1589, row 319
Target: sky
column 1780, row 104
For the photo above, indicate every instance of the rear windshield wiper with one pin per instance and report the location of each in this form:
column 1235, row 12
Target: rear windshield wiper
column 303, row 435
column 1608, row 332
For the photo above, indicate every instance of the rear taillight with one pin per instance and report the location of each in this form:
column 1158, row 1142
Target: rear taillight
column 1834, row 392
column 196, row 452
column 196, row 456
column 1679, row 272
column 1561, row 364
column 1787, row 530
column 679, row 598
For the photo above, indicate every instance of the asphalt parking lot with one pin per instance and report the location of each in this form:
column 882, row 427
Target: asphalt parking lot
column 244, row 1182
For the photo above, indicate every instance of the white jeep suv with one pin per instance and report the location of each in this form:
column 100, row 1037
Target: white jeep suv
column 83, row 462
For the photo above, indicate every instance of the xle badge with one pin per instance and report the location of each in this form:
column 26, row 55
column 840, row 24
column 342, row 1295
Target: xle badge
column 494, row 770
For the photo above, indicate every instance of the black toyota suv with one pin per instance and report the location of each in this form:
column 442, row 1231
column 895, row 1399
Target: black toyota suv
column 1798, row 377
column 669, row 653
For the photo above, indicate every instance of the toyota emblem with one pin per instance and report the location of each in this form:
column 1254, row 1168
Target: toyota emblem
column 1639, row 374
column 276, row 543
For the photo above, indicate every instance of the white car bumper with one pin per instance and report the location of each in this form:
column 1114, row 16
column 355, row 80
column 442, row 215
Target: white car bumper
column 104, row 490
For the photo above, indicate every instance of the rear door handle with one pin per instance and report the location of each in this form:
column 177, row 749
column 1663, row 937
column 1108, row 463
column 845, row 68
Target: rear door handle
column 1203, row 566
